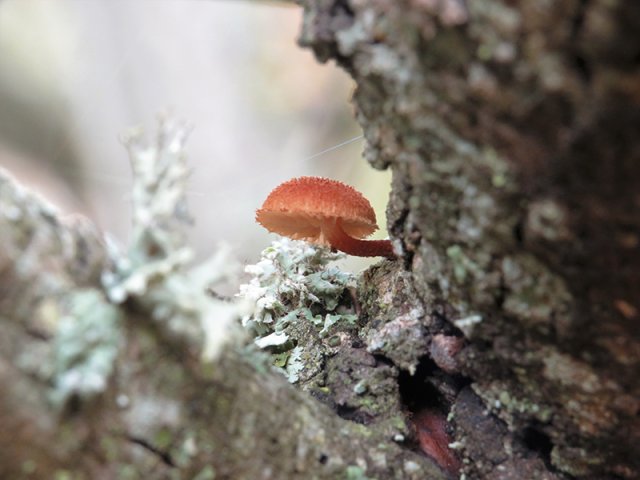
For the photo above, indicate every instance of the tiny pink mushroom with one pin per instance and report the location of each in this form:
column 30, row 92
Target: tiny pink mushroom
column 324, row 212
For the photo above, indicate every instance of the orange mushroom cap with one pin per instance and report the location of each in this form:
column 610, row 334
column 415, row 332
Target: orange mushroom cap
column 299, row 207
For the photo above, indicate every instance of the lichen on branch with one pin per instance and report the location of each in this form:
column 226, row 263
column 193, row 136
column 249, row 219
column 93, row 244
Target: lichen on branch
column 154, row 271
column 294, row 284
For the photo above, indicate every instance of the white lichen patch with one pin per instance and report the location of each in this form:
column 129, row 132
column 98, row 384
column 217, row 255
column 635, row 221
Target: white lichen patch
column 390, row 339
column 293, row 282
column 146, row 413
column 294, row 365
column 159, row 213
column 467, row 324
column 86, row 345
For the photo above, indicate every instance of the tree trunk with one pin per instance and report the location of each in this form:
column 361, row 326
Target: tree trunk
column 503, row 343
column 512, row 132
column 122, row 366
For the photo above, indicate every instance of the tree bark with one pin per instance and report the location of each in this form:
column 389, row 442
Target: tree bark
column 107, row 371
column 512, row 132
column 503, row 344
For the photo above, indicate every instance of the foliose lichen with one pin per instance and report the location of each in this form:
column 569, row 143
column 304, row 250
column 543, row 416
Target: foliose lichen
column 86, row 345
column 293, row 282
column 154, row 271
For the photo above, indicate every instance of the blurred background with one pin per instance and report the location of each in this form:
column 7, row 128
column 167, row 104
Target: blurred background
column 75, row 74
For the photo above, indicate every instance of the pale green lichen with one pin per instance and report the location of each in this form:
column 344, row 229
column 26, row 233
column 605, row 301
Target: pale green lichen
column 207, row 473
column 294, row 364
column 535, row 296
column 355, row 472
column 159, row 213
column 360, row 387
column 86, row 345
column 507, row 405
column 462, row 264
column 293, row 282
column 154, row 270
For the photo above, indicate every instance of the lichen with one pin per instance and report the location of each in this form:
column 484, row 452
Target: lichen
column 355, row 472
column 293, row 283
column 207, row 473
column 510, row 406
column 294, row 364
column 467, row 324
column 396, row 327
column 534, row 295
column 154, row 271
column 86, row 345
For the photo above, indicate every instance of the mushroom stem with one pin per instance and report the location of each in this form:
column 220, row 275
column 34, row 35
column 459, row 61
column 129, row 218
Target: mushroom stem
column 361, row 248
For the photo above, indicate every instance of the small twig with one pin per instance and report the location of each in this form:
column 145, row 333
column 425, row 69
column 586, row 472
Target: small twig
column 164, row 456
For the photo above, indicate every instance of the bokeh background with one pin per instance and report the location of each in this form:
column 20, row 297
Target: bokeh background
column 75, row 74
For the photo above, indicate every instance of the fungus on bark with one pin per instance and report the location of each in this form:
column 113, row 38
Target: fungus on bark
column 324, row 212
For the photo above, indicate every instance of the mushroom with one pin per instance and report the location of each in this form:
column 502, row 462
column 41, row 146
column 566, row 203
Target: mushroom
column 324, row 212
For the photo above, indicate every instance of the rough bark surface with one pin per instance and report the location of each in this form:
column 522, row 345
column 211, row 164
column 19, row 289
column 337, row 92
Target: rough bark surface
column 503, row 344
column 96, row 389
column 511, row 128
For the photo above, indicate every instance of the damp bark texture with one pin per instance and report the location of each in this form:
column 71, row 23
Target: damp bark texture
column 511, row 129
column 119, row 363
column 502, row 344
